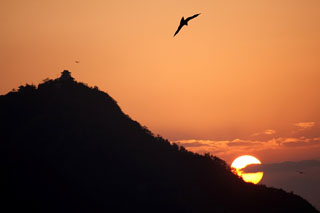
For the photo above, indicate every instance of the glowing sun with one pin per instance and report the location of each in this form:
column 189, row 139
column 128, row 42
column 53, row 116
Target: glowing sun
column 242, row 162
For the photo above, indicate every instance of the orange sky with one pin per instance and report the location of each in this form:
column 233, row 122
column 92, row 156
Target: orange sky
column 243, row 71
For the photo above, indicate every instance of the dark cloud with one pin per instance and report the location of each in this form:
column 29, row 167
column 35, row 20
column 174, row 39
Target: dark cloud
column 193, row 144
column 287, row 166
column 295, row 144
column 302, row 178
column 303, row 142
column 243, row 143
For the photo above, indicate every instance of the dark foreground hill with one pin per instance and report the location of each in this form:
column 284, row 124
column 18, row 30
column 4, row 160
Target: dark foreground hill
column 66, row 147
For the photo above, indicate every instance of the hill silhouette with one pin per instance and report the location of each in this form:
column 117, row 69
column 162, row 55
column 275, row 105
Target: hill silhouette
column 66, row 147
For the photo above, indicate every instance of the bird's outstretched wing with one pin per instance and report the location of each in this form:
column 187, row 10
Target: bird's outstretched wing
column 179, row 28
column 192, row 17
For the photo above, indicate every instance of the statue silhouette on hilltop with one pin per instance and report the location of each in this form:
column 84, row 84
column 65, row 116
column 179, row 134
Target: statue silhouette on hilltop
column 66, row 76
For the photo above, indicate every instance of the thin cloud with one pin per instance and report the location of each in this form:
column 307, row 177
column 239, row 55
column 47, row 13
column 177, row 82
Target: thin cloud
column 228, row 148
column 305, row 125
column 269, row 132
column 265, row 132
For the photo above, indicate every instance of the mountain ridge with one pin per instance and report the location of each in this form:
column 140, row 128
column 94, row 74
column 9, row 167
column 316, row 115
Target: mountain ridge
column 68, row 147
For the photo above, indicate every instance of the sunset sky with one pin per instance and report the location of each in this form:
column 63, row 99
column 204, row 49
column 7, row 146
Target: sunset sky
column 242, row 78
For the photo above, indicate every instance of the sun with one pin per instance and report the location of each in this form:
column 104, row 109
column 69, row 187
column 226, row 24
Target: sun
column 243, row 161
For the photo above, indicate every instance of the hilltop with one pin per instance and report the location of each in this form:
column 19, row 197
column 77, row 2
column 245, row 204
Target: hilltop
column 67, row 147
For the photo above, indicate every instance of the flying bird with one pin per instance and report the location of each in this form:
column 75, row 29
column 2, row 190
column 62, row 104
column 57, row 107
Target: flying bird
column 77, row 62
column 184, row 22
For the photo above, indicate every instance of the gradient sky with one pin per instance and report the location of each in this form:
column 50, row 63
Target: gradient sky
column 242, row 78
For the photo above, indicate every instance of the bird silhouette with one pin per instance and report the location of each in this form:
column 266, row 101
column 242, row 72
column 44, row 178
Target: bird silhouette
column 300, row 172
column 77, row 62
column 184, row 22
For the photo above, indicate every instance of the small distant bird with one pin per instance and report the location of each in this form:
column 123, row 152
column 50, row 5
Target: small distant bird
column 184, row 22
column 77, row 62
column 300, row 172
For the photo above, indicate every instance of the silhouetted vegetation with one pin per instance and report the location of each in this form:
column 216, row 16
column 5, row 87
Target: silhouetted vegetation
column 66, row 147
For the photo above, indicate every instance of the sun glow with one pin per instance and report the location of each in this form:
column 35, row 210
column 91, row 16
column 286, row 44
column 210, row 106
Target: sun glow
column 242, row 162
